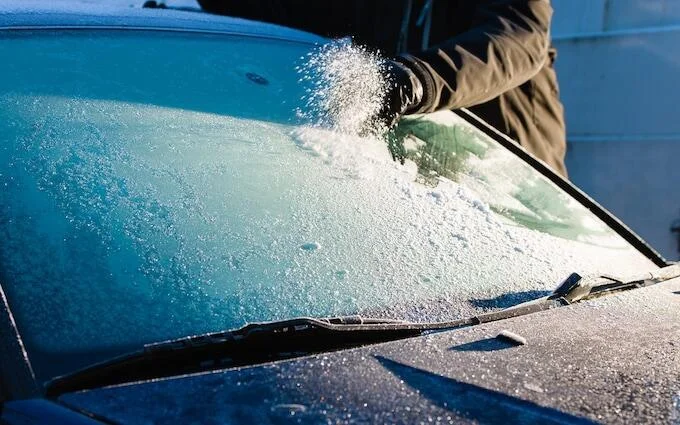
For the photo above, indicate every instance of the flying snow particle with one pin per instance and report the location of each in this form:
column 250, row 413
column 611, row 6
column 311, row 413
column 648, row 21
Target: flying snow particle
column 346, row 88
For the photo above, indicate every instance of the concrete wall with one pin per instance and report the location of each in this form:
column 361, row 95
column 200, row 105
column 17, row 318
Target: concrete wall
column 619, row 67
column 584, row 16
column 626, row 191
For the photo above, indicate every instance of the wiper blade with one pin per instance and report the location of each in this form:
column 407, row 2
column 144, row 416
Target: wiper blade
column 252, row 344
column 259, row 343
column 578, row 288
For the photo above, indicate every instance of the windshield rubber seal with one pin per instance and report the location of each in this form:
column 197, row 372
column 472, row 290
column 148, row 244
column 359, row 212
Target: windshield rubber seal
column 581, row 197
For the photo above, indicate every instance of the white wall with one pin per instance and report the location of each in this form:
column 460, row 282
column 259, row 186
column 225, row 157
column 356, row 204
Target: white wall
column 619, row 70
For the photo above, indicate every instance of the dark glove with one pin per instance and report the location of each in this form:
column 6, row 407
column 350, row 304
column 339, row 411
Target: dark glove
column 404, row 93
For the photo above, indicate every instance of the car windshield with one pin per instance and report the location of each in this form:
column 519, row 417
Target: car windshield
column 161, row 184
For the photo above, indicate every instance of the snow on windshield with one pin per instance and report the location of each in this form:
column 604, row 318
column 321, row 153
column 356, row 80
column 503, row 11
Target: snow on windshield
column 230, row 219
column 127, row 222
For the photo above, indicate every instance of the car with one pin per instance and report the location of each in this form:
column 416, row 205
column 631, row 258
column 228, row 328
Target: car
column 181, row 245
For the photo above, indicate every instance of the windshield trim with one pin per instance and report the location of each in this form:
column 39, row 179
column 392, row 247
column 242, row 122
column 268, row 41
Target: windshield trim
column 577, row 194
column 17, row 379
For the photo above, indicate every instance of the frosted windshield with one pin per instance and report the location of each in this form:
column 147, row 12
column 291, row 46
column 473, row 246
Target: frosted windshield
column 158, row 185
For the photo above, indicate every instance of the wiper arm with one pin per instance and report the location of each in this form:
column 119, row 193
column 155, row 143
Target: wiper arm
column 577, row 288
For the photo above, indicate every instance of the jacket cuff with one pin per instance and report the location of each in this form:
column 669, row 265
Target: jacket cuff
column 427, row 103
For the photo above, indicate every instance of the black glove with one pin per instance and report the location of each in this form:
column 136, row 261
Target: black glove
column 404, row 93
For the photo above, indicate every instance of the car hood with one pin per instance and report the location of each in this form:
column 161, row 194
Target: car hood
column 614, row 359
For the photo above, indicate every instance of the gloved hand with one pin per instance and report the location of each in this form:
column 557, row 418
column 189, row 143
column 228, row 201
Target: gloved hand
column 404, row 93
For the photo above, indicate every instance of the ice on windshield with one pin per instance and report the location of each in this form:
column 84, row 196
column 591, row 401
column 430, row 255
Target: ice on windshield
column 134, row 210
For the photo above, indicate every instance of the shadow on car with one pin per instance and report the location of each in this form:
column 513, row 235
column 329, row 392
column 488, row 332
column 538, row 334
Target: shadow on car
column 469, row 401
column 507, row 300
column 489, row 344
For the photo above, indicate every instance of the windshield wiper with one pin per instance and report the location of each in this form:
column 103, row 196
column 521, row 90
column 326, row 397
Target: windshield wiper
column 577, row 288
column 259, row 343
column 252, row 344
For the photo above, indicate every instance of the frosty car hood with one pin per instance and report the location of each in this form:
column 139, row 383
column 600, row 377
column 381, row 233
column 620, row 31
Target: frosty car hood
column 615, row 359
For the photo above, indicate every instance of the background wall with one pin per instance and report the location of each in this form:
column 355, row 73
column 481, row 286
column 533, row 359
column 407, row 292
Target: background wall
column 619, row 65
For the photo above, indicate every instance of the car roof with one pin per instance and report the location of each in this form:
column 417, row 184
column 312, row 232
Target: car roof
column 31, row 14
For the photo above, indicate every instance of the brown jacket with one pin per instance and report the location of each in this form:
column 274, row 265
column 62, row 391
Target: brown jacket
column 491, row 56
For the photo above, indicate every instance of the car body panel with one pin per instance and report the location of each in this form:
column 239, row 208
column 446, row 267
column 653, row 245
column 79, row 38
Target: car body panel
column 40, row 411
column 615, row 359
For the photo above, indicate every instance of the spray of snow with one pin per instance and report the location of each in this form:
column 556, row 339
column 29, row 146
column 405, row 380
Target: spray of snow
column 346, row 85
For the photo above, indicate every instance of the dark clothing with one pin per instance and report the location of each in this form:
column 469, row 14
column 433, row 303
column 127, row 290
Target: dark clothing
column 491, row 56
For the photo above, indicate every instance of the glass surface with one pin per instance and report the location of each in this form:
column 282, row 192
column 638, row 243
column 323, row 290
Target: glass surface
column 157, row 185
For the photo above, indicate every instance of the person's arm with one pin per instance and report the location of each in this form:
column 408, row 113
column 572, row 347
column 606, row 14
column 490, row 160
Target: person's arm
column 506, row 48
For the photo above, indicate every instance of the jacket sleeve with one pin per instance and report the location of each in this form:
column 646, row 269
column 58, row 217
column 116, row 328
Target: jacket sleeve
column 506, row 47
